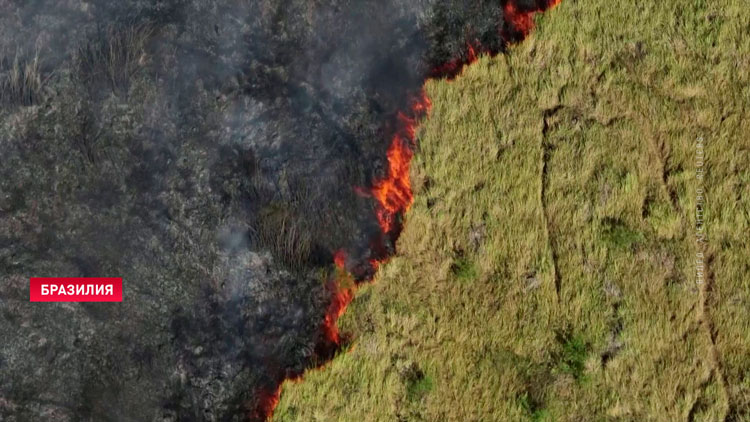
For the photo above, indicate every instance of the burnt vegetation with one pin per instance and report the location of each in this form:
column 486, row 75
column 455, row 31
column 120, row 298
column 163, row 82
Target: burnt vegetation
column 21, row 80
column 214, row 155
column 113, row 56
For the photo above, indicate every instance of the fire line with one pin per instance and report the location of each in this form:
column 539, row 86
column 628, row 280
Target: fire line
column 393, row 193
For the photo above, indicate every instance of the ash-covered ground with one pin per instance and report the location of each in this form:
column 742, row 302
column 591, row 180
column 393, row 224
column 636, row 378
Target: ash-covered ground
column 207, row 153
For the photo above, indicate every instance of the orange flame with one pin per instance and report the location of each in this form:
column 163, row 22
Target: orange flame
column 519, row 19
column 453, row 68
column 340, row 299
column 522, row 21
column 267, row 402
column 339, row 258
column 393, row 192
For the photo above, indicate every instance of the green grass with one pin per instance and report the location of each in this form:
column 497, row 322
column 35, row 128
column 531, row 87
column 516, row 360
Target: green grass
column 616, row 234
column 564, row 174
column 464, row 270
column 417, row 388
column 572, row 356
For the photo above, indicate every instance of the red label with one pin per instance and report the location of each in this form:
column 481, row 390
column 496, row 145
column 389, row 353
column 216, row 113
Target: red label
column 75, row 289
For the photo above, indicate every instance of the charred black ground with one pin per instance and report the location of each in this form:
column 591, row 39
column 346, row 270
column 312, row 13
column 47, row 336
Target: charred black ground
column 206, row 153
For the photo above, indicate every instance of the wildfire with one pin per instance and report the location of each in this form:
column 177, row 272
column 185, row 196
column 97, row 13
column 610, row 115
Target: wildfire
column 522, row 21
column 393, row 192
column 519, row 19
column 393, row 195
column 340, row 299
column 454, row 67
column 267, row 402
column 339, row 258
column 268, row 398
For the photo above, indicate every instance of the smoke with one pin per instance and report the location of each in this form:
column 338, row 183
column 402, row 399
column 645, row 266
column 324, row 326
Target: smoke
column 214, row 155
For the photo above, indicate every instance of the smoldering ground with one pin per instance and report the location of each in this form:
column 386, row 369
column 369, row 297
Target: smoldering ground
column 207, row 153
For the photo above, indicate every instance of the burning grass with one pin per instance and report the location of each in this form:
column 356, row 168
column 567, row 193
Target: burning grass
column 575, row 154
column 393, row 193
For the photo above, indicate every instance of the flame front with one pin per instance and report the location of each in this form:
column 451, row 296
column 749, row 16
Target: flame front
column 267, row 401
column 522, row 21
column 393, row 192
column 340, row 299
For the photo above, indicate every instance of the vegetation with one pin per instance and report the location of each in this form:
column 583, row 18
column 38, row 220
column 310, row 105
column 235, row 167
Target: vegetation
column 547, row 270
column 281, row 230
column 114, row 56
column 21, row 81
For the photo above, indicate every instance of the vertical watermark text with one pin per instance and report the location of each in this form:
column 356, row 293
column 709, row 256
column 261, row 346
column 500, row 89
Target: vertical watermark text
column 700, row 206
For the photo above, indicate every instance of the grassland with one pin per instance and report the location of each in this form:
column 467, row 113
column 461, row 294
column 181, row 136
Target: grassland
column 547, row 270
